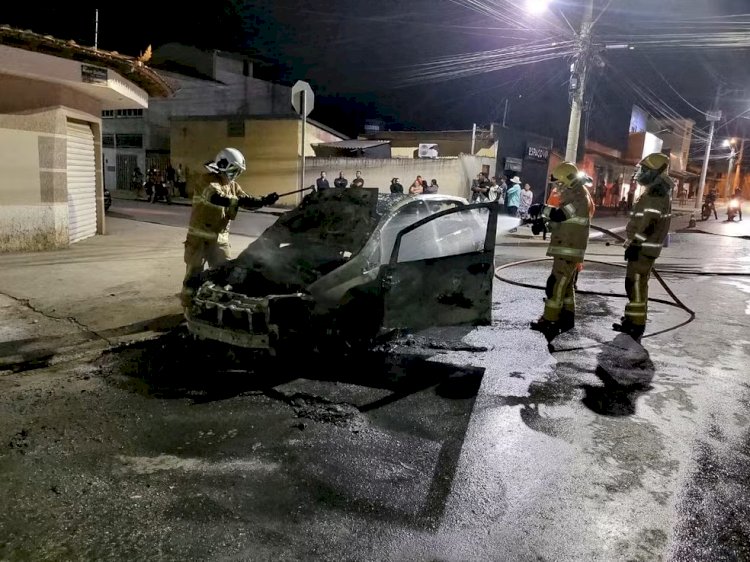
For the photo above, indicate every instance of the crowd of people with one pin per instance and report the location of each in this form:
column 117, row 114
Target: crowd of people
column 418, row 186
column 513, row 199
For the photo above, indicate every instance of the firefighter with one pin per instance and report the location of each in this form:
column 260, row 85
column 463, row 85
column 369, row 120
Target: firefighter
column 569, row 226
column 646, row 231
column 214, row 207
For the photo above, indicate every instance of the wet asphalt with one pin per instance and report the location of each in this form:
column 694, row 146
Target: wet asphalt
column 454, row 444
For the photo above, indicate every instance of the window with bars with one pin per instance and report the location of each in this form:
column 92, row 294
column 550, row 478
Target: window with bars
column 108, row 141
column 129, row 113
column 129, row 141
column 108, row 113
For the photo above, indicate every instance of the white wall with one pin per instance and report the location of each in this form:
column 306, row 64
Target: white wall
column 453, row 175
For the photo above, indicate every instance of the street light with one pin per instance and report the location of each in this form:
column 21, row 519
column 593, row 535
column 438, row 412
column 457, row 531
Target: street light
column 537, row 6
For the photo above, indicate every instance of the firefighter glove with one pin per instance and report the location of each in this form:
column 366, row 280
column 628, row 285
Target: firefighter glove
column 557, row 215
column 270, row 199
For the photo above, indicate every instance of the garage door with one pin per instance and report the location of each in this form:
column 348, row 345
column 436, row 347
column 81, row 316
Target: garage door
column 81, row 182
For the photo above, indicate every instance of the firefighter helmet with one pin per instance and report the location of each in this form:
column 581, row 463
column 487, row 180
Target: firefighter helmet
column 229, row 161
column 651, row 167
column 567, row 174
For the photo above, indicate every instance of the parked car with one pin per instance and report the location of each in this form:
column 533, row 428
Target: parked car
column 349, row 265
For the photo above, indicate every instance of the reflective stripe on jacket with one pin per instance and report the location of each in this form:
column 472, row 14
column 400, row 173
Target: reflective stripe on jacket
column 211, row 221
column 651, row 218
column 571, row 236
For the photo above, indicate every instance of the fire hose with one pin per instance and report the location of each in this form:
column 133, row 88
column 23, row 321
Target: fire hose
column 676, row 302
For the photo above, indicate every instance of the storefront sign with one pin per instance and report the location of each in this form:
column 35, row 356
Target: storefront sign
column 93, row 74
column 536, row 152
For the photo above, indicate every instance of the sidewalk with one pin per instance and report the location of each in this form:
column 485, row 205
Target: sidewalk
column 102, row 291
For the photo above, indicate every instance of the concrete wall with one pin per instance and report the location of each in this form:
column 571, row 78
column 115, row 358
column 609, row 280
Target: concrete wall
column 269, row 146
column 33, row 181
column 453, row 175
column 315, row 135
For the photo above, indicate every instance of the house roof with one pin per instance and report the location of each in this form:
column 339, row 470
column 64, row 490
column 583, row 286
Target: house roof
column 353, row 144
column 128, row 67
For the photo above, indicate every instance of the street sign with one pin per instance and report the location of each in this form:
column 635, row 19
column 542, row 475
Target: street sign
column 297, row 95
column 713, row 115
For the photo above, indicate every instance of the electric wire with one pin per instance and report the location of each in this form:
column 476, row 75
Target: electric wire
column 473, row 63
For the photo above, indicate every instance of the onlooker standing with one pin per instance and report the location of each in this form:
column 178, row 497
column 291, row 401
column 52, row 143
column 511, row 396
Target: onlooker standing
column 527, row 197
column 396, row 187
column 170, row 176
column 513, row 197
column 631, row 194
column 340, row 181
column 433, row 187
column 322, row 182
column 480, row 189
column 601, row 188
column 180, row 179
column 416, row 188
column 359, row 181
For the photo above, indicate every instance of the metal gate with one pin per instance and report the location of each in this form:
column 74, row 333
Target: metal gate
column 157, row 160
column 126, row 163
column 81, row 168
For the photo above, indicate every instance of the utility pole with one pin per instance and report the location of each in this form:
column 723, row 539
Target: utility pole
column 713, row 117
column 578, row 82
column 730, row 169
column 739, row 165
column 96, row 29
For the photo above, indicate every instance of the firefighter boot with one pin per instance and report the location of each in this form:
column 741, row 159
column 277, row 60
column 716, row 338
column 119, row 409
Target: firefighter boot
column 625, row 326
column 567, row 320
column 549, row 329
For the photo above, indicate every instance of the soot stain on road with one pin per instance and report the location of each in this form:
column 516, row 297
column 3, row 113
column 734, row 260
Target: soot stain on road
column 714, row 511
column 389, row 455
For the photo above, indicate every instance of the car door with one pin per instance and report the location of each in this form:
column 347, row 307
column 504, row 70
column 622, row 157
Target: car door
column 441, row 269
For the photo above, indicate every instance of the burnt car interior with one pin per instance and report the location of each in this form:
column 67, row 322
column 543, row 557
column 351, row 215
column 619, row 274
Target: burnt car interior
column 319, row 235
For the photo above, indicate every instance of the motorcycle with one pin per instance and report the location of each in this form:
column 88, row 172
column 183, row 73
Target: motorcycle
column 157, row 190
column 733, row 209
column 708, row 209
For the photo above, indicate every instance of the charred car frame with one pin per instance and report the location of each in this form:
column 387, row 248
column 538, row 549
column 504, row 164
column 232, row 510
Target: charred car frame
column 347, row 266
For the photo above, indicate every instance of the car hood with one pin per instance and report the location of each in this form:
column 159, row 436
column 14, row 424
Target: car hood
column 318, row 236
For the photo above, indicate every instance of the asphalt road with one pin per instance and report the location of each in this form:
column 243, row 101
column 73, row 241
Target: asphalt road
column 456, row 444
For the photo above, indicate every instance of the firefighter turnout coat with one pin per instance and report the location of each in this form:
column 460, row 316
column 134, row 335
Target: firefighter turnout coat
column 651, row 218
column 571, row 237
column 210, row 221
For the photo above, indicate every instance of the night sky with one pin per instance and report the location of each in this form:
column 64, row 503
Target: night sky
column 356, row 54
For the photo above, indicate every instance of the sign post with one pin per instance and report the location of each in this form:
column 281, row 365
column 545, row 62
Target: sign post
column 302, row 101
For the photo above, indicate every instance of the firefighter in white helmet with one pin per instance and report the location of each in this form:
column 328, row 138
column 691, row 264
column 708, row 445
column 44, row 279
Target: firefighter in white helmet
column 646, row 231
column 569, row 226
column 215, row 205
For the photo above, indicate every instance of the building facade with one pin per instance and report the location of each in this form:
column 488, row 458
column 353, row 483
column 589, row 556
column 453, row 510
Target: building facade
column 206, row 83
column 51, row 181
column 270, row 144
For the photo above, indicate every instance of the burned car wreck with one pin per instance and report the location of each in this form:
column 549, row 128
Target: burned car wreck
column 347, row 266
